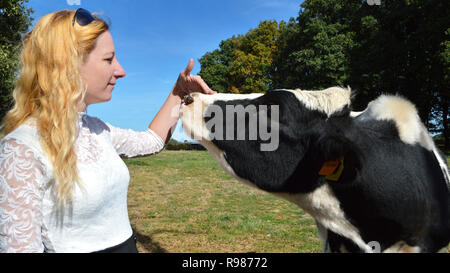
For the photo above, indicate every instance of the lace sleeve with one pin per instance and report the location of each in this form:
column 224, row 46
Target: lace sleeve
column 21, row 175
column 132, row 144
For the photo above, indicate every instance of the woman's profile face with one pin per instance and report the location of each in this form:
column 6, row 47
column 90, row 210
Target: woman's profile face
column 101, row 70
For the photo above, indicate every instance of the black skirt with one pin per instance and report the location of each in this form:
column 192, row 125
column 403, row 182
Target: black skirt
column 129, row 246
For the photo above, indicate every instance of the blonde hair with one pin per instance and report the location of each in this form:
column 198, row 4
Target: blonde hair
column 50, row 89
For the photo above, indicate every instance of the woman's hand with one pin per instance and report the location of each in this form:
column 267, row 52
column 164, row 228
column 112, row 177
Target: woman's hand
column 188, row 83
column 166, row 119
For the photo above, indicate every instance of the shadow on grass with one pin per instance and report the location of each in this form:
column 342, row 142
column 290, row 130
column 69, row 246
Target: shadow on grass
column 148, row 244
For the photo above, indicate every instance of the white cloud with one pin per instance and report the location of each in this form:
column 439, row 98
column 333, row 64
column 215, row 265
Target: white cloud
column 73, row 2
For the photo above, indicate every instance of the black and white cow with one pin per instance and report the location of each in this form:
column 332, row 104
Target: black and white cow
column 372, row 180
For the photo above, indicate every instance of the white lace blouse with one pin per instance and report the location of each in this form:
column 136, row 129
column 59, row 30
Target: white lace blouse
column 98, row 216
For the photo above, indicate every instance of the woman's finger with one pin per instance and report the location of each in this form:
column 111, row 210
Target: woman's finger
column 189, row 67
column 203, row 86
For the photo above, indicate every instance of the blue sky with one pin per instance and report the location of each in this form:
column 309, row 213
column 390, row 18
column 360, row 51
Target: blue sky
column 155, row 39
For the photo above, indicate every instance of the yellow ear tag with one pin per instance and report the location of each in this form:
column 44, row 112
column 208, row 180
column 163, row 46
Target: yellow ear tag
column 332, row 169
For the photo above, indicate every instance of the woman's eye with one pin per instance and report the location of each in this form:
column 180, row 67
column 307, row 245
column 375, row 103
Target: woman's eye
column 109, row 60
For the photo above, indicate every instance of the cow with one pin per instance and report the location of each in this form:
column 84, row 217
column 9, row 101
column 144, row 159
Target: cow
column 374, row 181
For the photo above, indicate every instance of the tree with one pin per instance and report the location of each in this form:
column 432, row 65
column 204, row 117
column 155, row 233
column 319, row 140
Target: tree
column 402, row 50
column 399, row 47
column 445, row 94
column 215, row 66
column 250, row 70
column 14, row 21
column 243, row 64
column 316, row 52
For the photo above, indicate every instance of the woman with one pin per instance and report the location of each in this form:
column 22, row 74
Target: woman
column 63, row 186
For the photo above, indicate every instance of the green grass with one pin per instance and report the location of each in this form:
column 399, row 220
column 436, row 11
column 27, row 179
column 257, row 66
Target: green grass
column 182, row 201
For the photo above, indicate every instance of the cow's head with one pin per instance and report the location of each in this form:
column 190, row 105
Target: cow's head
column 277, row 141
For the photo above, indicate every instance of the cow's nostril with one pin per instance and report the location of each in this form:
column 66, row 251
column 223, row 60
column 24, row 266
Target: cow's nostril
column 188, row 99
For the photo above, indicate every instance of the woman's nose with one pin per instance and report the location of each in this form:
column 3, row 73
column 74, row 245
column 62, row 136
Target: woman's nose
column 119, row 72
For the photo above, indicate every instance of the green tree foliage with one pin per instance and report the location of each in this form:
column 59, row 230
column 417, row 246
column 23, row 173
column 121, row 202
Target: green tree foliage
column 250, row 70
column 316, row 52
column 401, row 49
column 243, row 64
column 14, row 21
column 398, row 47
column 215, row 66
column 443, row 114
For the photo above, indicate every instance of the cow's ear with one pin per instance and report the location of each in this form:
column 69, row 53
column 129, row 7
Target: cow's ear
column 339, row 149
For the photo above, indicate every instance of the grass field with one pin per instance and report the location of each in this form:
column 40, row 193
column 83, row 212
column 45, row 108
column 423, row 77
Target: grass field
column 182, row 201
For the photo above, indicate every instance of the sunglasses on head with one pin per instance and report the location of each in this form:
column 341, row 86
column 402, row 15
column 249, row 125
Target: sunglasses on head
column 83, row 17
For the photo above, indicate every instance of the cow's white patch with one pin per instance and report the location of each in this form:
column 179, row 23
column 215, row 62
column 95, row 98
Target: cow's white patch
column 404, row 114
column 330, row 100
column 354, row 114
column 442, row 250
column 324, row 207
column 209, row 99
column 406, row 118
column 402, row 247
